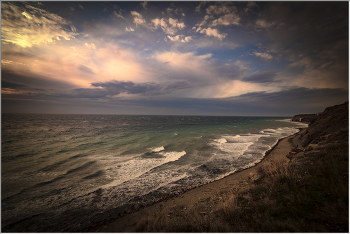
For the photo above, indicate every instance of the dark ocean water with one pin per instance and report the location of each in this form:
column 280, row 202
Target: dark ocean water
column 65, row 172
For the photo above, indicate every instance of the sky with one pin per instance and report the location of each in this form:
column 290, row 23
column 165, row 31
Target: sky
column 174, row 58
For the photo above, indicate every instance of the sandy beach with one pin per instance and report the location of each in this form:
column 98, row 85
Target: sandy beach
column 205, row 198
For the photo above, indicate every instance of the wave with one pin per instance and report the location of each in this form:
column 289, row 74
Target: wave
column 221, row 140
column 58, row 178
column 55, row 165
column 157, row 149
column 251, row 145
column 78, row 156
column 293, row 122
column 80, row 167
column 139, row 166
column 269, row 130
column 284, row 120
column 243, row 138
column 94, row 175
column 25, row 154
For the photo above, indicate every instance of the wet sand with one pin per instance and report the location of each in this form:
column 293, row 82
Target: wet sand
column 239, row 180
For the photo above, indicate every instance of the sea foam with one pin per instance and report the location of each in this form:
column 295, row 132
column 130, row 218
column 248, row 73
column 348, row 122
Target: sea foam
column 136, row 167
column 157, row 149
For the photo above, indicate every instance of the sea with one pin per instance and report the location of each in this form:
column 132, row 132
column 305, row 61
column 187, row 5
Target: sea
column 64, row 173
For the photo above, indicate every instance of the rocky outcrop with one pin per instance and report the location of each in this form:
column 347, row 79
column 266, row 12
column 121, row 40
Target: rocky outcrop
column 305, row 118
column 332, row 124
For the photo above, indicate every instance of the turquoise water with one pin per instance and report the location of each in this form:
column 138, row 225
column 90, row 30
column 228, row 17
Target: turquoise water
column 64, row 172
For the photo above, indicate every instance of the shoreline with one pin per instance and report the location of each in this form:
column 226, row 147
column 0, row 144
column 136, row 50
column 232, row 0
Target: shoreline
column 237, row 180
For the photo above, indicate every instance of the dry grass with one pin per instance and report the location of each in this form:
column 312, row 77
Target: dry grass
column 307, row 195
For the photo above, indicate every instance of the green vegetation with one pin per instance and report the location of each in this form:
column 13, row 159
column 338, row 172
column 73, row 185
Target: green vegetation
column 308, row 194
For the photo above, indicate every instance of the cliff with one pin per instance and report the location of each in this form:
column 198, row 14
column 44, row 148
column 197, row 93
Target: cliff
column 305, row 118
column 331, row 125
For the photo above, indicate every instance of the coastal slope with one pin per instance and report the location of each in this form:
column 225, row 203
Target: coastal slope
column 332, row 123
column 302, row 185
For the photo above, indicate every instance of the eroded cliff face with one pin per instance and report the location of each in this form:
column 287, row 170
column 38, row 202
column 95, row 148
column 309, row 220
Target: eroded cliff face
column 305, row 118
column 332, row 124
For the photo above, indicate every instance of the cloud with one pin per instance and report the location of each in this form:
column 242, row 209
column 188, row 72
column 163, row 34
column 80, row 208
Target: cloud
column 229, row 11
column 73, row 28
column 212, row 32
column 31, row 81
column 180, row 38
column 106, row 59
column 169, row 10
column 26, row 25
column 229, row 19
column 27, row 15
column 187, row 39
column 144, row 4
column 130, row 29
column 250, row 5
column 332, row 76
column 158, row 22
column 309, row 100
column 184, row 60
column 175, row 23
column 261, row 77
column 138, row 19
column 221, row 8
column 119, row 15
column 262, row 23
column 10, row 85
column 204, row 22
column 317, row 54
column 209, row 78
column 198, row 8
column 172, row 29
column 176, row 38
column 85, row 69
column 265, row 55
column 91, row 45
column 116, row 88
column 141, row 65
column 300, row 100
column 186, row 67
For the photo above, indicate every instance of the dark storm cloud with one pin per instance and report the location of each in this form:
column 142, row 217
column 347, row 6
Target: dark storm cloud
column 177, row 85
column 33, row 81
column 294, row 100
column 17, row 54
column 117, row 87
column 311, row 36
column 113, row 88
column 285, row 103
column 261, row 77
column 306, row 27
column 6, row 84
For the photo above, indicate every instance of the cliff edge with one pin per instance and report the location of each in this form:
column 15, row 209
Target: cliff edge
column 305, row 118
column 331, row 125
